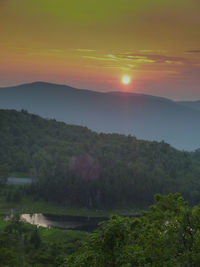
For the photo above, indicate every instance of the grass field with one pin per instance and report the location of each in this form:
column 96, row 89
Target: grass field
column 29, row 205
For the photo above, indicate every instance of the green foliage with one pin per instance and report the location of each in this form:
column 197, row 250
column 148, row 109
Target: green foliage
column 24, row 245
column 3, row 174
column 14, row 194
column 167, row 235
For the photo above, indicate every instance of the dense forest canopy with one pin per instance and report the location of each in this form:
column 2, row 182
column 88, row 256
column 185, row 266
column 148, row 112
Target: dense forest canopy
column 167, row 235
column 71, row 164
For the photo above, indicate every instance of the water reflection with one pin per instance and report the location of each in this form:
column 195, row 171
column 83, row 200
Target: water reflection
column 63, row 222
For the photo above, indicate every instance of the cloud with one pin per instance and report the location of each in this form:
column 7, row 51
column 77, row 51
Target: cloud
column 154, row 58
column 139, row 58
column 149, row 63
column 152, row 51
column 99, row 58
column 193, row 51
column 121, row 58
column 85, row 50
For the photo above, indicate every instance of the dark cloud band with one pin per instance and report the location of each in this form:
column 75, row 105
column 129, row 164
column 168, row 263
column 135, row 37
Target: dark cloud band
column 193, row 51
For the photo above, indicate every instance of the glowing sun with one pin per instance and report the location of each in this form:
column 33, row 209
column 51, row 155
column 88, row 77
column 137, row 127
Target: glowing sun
column 126, row 79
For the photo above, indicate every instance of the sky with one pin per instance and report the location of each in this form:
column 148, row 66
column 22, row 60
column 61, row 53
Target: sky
column 91, row 44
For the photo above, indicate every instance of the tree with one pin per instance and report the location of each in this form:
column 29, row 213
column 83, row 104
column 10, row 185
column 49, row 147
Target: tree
column 166, row 235
column 3, row 174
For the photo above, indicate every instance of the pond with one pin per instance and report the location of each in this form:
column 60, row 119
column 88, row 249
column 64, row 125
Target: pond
column 14, row 180
column 63, row 222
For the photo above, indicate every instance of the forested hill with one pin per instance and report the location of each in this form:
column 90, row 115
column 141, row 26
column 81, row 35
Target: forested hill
column 74, row 165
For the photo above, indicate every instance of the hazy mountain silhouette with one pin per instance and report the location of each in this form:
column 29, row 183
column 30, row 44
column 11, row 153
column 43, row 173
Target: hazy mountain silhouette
column 144, row 116
column 191, row 104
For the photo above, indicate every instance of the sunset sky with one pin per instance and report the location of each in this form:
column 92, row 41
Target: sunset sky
column 92, row 43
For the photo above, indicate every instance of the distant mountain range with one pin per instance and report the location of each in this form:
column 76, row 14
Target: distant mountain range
column 144, row 116
column 191, row 104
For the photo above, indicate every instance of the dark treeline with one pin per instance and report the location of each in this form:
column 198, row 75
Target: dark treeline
column 73, row 165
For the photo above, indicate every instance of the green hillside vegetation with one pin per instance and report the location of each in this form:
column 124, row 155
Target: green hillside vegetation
column 72, row 165
column 24, row 245
column 166, row 235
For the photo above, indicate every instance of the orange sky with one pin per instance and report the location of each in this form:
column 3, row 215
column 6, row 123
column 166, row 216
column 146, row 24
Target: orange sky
column 91, row 44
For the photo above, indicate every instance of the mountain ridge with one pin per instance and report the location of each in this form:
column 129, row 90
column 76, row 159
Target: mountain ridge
column 144, row 116
column 42, row 83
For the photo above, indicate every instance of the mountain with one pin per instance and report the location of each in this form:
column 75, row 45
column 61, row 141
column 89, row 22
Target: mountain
column 191, row 104
column 144, row 116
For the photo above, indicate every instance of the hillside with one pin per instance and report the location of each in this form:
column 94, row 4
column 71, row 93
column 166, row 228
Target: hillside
column 144, row 116
column 72, row 164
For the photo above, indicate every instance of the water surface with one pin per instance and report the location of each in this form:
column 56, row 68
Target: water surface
column 63, row 222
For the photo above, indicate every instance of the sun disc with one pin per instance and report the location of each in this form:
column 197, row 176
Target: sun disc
column 126, row 79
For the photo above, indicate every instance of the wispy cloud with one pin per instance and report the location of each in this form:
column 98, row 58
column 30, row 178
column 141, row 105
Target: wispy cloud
column 154, row 58
column 121, row 58
column 163, row 65
column 111, row 56
column 84, row 50
column 153, row 51
column 100, row 58
column 193, row 51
